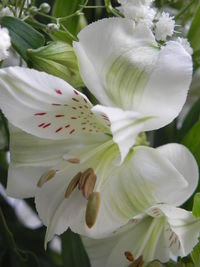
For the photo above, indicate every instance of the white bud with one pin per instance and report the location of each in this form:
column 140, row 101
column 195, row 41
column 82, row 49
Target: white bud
column 164, row 27
column 45, row 8
column 33, row 9
column 52, row 27
column 6, row 12
column 5, row 43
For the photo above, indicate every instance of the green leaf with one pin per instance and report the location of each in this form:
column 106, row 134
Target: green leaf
column 194, row 32
column 195, row 255
column 23, row 36
column 196, row 206
column 73, row 252
column 192, row 141
column 191, row 118
column 64, row 8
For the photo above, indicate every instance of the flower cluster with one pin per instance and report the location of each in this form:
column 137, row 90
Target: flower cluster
column 89, row 167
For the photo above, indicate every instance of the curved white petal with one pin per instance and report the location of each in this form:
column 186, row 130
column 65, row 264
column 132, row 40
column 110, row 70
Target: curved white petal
column 122, row 66
column 104, row 42
column 185, row 163
column 124, row 125
column 44, row 105
column 181, row 231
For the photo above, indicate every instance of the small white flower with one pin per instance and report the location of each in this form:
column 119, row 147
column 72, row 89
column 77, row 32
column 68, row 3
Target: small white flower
column 5, row 43
column 164, row 27
column 6, row 12
column 184, row 42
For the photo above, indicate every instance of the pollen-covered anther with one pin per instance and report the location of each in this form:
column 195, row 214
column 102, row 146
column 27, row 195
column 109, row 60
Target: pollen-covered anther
column 83, row 178
column 129, row 256
column 92, row 209
column 73, row 184
column 46, row 177
column 74, row 160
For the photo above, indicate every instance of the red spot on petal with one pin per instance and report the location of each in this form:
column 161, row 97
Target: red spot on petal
column 72, row 131
column 80, row 107
column 59, row 116
column 40, row 113
column 74, row 99
column 54, row 104
column 42, row 124
column 46, row 125
column 90, row 130
column 82, row 112
column 59, row 92
column 74, row 108
column 85, row 100
column 83, row 128
column 75, row 92
column 85, row 106
column 73, row 118
column 67, row 126
column 59, row 129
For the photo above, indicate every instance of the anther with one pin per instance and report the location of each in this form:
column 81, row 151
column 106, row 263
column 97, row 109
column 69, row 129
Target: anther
column 46, row 177
column 129, row 256
column 74, row 160
column 89, row 184
column 73, row 184
column 92, row 209
column 84, row 177
column 137, row 263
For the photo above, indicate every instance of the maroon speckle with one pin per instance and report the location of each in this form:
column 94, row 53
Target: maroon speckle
column 85, row 106
column 72, row 131
column 73, row 118
column 46, row 125
column 59, row 129
column 75, row 92
column 83, row 128
column 80, row 107
column 82, row 112
column 59, row 116
column 65, row 105
column 74, row 108
column 74, row 99
column 59, row 92
column 40, row 113
column 67, row 126
column 85, row 100
column 90, row 130
column 42, row 124
column 54, row 104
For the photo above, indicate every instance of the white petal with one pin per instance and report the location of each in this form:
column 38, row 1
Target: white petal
column 124, row 125
column 167, row 88
column 122, row 66
column 185, row 163
column 30, row 158
column 44, row 105
column 182, row 230
column 104, row 43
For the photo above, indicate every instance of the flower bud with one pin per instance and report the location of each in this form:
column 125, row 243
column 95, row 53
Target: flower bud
column 33, row 10
column 45, row 8
column 52, row 27
column 57, row 58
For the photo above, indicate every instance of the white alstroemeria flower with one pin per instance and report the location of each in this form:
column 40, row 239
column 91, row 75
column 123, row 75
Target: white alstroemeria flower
column 163, row 232
column 143, row 86
column 160, row 232
column 5, row 43
column 164, row 27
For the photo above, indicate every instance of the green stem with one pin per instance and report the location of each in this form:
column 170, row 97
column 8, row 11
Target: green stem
column 110, row 9
column 92, row 6
column 184, row 9
column 21, row 8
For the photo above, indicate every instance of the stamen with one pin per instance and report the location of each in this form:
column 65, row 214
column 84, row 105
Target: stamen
column 84, row 177
column 75, row 160
column 137, row 263
column 73, row 184
column 92, row 209
column 129, row 256
column 46, row 177
column 89, row 184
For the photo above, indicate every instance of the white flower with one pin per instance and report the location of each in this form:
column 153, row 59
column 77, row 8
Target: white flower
column 125, row 69
column 72, row 147
column 160, row 231
column 5, row 43
column 6, row 12
column 164, row 27
column 184, row 42
column 135, row 2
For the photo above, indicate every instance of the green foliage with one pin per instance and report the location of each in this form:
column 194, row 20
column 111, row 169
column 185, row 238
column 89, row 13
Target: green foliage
column 23, row 36
column 64, row 8
column 194, row 32
column 196, row 206
column 195, row 255
column 73, row 252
